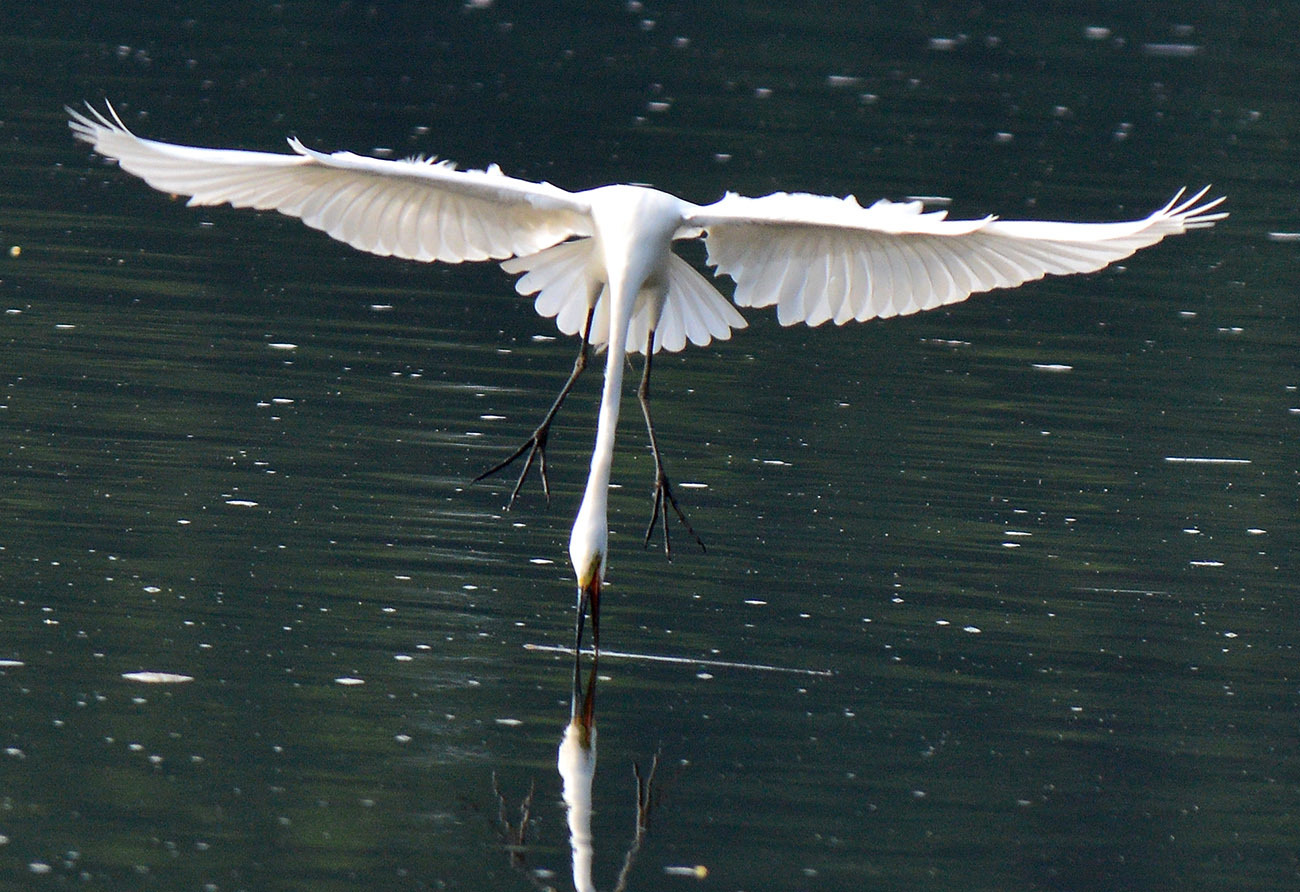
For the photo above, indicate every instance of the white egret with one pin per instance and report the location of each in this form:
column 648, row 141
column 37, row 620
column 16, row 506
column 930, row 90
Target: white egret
column 601, row 261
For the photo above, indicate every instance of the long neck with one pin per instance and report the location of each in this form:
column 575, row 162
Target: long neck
column 602, row 456
column 590, row 529
column 633, row 228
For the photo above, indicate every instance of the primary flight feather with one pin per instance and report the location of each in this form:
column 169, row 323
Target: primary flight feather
column 600, row 262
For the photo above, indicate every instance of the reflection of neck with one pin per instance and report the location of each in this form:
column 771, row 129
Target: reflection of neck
column 577, row 764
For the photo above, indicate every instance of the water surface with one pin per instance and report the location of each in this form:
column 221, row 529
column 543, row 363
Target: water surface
column 1062, row 651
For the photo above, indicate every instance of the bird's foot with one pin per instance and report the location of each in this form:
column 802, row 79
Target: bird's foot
column 663, row 500
column 535, row 447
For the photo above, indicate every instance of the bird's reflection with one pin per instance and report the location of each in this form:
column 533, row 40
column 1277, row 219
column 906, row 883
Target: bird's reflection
column 577, row 767
column 576, row 762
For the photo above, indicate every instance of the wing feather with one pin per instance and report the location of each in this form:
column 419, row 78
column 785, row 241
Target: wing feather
column 366, row 202
column 818, row 258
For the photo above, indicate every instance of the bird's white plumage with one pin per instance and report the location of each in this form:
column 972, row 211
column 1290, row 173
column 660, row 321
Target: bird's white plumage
column 609, row 251
column 564, row 276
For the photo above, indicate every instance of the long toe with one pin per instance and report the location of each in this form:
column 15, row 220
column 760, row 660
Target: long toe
column 663, row 500
column 535, row 449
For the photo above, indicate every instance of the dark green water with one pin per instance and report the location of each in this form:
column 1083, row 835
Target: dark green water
column 1061, row 660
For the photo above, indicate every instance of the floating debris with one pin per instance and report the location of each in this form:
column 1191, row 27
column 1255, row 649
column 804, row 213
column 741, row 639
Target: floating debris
column 349, row 680
column 1196, row 460
column 684, row 661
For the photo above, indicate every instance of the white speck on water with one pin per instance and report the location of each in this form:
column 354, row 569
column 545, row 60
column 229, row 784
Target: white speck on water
column 509, row 723
column 693, row 485
column 1051, row 367
column 1284, row 236
column 762, row 92
column 1251, row 531
column 349, row 680
column 492, row 418
column 754, row 602
column 1171, row 50
column 840, row 80
column 974, row 630
column 776, row 462
column 157, row 677
column 11, row 664
column 704, row 676
column 241, row 503
column 282, row 345
column 1096, row 32
column 281, row 401
column 381, row 308
column 541, row 561
column 403, row 658
column 1206, row 563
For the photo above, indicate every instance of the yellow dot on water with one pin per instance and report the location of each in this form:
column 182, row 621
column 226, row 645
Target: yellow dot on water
column 15, row 250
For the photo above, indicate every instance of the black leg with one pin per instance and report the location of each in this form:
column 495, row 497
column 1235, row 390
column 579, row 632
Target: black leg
column 663, row 493
column 535, row 445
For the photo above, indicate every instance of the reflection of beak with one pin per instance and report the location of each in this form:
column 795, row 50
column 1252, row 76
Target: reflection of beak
column 589, row 602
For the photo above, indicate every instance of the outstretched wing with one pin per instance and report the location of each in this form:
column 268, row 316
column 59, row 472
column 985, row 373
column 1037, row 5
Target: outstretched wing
column 819, row 258
column 420, row 210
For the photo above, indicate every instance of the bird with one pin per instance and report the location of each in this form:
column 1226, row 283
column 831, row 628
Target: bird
column 601, row 263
